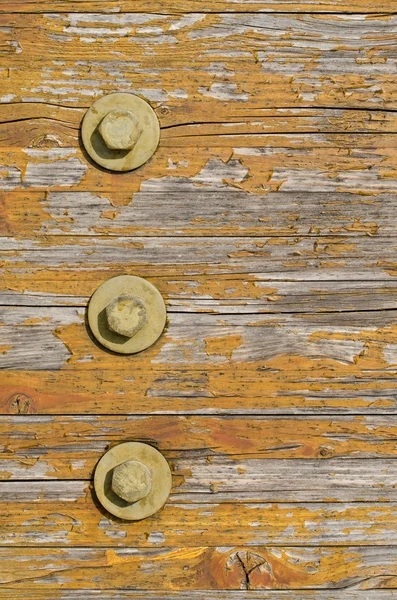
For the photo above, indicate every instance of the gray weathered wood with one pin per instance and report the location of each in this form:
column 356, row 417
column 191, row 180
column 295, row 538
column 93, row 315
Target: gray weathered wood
column 70, row 517
column 243, row 295
column 165, row 208
column 117, row 594
column 121, row 571
column 34, row 345
column 214, row 478
column 299, row 258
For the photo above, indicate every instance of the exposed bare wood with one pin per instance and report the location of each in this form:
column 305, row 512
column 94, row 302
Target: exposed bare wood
column 54, row 514
column 267, row 220
column 236, row 294
column 210, row 478
column 262, row 594
column 261, row 60
column 171, row 6
column 256, row 568
column 268, row 363
column 220, row 210
column 69, row 447
column 253, row 363
column 66, row 265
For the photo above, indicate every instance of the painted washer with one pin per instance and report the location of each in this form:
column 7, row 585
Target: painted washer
column 121, row 159
column 138, row 288
column 161, row 478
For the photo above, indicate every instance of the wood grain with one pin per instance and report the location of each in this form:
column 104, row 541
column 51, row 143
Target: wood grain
column 62, row 447
column 218, row 211
column 219, row 60
column 54, row 514
column 215, row 479
column 350, row 167
column 229, row 294
column 276, row 363
column 166, row 6
column 349, row 569
column 267, row 220
column 65, row 265
column 123, row 594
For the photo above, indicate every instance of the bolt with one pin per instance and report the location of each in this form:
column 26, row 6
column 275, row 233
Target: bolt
column 131, row 481
column 126, row 315
column 120, row 129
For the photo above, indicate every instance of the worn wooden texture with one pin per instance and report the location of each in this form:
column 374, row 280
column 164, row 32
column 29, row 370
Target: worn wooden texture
column 55, row 513
column 255, row 568
column 171, row 6
column 63, row 447
column 222, row 208
column 267, row 220
column 262, row 594
column 213, row 480
column 202, row 363
column 219, row 61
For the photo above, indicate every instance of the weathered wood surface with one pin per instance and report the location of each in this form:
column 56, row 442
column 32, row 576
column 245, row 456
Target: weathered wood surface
column 215, row 479
column 203, row 362
column 53, row 514
column 267, row 220
column 228, row 294
column 172, row 6
column 261, row 60
column 203, row 568
column 63, row 447
column 250, row 61
column 218, row 208
column 262, row 594
column 300, row 258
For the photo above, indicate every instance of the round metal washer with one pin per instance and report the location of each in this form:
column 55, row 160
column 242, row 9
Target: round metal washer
column 140, row 288
column 120, row 160
column 161, row 480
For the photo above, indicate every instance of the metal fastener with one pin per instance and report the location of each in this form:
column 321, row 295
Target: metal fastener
column 120, row 131
column 126, row 314
column 132, row 480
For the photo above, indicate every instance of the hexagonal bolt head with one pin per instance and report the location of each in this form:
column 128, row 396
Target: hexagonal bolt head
column 131, row 481
column 120, row 129
column 126, row 315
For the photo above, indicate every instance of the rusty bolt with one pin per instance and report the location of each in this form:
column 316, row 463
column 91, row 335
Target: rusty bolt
column 126, row 315
column 120, row 129
column 131, row 481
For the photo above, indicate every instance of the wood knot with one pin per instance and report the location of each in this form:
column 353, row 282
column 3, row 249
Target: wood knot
column 21, row 404
column 326, row 451
column 47, row 140
column 242, row 570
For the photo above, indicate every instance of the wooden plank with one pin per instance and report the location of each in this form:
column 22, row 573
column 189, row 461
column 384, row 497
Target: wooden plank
column 70, row 446
column 171, row 6
column 220, row 211
column 259, row 165
column 68, row 514
column 236, row 295
column 122, row 594
column 220, row 60
column 19, row 120
column 202, row 340
column 43, row 124
column 77, row 266
column 349, row 570
column 336, row 362
column 212, row 479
